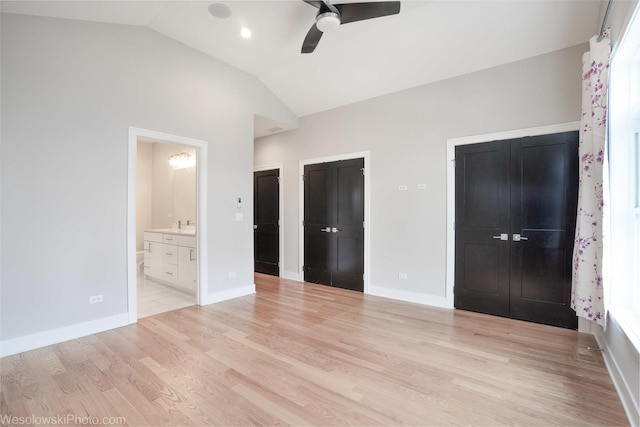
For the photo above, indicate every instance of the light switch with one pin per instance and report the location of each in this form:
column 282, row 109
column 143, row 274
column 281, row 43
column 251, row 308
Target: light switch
column 239, row 216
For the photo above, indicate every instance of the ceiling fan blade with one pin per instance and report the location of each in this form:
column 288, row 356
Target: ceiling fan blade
column 311, row 40
column 352, row 12
column 315, row 3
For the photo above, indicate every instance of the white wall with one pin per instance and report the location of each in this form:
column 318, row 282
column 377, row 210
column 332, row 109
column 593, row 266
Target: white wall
column 406, row 133
column 70, row 91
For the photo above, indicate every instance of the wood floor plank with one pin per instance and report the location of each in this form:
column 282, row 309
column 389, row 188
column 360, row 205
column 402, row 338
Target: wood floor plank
column 304, row 354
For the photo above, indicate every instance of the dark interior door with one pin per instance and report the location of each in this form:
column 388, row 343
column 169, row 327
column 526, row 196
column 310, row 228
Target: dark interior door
column 266, row 226
column 544, row 197
column 318, row 198
column 333, row 224
column 515, row 220
column 482, row 227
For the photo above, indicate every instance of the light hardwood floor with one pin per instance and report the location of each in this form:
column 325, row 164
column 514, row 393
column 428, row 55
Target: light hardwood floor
column 314, row 355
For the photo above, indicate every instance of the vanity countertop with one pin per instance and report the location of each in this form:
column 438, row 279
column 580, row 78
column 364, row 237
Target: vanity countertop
column 180, row 231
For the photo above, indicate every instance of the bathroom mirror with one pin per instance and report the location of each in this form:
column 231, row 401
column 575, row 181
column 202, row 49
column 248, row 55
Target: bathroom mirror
column 184, row 195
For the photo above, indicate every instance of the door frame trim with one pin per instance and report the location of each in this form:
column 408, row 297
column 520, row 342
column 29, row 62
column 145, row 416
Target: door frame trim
column 366, row 155
column 280, row 168
column 201, row 212
column 452, row 143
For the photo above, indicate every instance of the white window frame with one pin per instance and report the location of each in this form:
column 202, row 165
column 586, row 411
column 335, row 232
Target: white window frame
column 622, row 266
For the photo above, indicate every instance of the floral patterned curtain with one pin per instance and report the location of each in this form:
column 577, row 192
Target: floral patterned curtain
column 587, row 297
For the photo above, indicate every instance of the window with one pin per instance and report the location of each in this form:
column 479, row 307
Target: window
column 623, row 265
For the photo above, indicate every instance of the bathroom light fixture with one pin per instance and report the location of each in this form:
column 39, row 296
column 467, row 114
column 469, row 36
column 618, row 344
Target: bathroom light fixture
column 181, row 161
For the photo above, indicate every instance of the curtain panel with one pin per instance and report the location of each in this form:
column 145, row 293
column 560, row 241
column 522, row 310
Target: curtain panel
column 587, row 296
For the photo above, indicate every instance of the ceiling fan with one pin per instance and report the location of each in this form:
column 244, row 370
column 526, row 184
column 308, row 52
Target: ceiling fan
column 331, row 16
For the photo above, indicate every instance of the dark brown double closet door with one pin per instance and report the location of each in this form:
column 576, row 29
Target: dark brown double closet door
column 333, row 224
column 266, row 224
column 515, row 222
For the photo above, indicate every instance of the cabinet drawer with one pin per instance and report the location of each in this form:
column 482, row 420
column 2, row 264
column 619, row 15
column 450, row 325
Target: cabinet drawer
column 153, row 237
column 171, row 239
column 189, row 241
column 170, row 273
column 170, row 254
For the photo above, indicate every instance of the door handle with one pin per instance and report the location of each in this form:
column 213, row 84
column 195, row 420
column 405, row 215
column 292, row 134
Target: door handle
column 255, row 227
column 326, row 230
column 502, row 236
column 334, row 230
column 519, row 238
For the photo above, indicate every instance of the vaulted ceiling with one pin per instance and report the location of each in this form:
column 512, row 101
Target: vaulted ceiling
column 426, row 42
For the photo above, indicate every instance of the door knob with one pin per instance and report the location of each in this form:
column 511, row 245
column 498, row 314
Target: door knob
column 335, row 230
column 326, row 230
column 518, row 238
column 502, row 236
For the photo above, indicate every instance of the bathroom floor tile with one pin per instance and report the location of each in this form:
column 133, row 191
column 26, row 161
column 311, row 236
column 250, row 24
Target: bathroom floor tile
column 155, row 298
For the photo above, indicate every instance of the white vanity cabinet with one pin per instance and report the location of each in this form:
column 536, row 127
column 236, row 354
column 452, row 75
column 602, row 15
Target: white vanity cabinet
column 187, row 266
column 171, row 258
column 153, row 249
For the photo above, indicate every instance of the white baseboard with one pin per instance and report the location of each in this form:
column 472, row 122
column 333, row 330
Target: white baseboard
column 229, row 294
column 291, row 275
column 65, row 333
column 54, row 336
column 631, row 407
column 408, row 296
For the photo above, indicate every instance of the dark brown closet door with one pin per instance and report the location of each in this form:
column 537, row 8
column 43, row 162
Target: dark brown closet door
column 515, row 220
column 333, row 224
column 318, row 208
column 482, row 228
column 544, row 196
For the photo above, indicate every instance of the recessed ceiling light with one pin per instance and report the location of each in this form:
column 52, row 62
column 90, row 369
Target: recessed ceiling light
column 245, row 32
column 219, row 10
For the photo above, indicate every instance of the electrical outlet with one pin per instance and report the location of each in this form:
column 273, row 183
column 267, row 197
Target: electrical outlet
column 95, row 299
column 422, row 186
column 232, row 274
column 402, row 275
column 402, row 188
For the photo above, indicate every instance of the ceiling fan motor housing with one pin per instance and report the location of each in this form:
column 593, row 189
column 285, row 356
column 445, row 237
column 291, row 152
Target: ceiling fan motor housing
column 327, row 21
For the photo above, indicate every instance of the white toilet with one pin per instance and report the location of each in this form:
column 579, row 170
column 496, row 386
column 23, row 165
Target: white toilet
column 139, row 260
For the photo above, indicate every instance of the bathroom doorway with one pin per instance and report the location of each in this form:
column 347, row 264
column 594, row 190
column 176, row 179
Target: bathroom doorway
column 166, row 205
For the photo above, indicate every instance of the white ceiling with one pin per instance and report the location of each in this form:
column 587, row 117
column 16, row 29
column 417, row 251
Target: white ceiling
column 428, row 41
